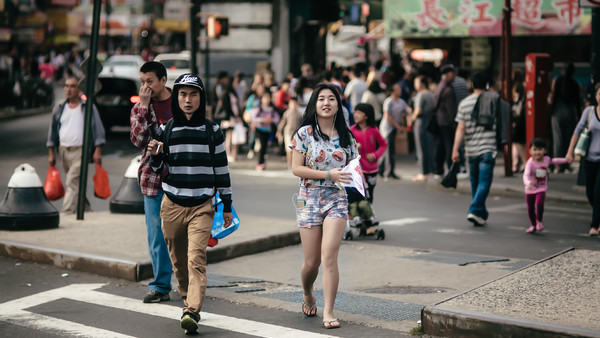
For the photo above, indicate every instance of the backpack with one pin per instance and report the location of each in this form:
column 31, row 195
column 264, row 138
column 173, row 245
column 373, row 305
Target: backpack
column 498, row 114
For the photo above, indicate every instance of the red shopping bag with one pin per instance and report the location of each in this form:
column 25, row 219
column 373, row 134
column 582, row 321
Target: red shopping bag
column 212, row 242
column 101, row 186
column 53, row 186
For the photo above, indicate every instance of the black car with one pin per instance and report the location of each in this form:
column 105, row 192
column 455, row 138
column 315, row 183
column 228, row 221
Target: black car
column 115, row 100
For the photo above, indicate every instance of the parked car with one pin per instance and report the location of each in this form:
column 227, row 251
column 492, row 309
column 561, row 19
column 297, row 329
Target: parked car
column 116, row 98
column 176, row 64
column 122, row 65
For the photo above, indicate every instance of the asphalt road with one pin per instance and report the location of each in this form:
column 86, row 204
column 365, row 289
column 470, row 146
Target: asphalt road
column 412, row 215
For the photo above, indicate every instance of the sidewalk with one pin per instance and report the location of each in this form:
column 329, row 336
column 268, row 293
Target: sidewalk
column 111, row 245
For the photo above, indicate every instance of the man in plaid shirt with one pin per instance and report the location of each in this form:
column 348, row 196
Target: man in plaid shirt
column 147, row 115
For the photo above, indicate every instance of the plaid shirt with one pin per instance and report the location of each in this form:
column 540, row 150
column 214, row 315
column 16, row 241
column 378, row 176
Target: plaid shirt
column 144, row 128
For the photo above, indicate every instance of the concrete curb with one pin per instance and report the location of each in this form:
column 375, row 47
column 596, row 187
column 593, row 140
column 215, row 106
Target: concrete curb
column 99, row 265
column 443, row 321
column 506, row 190
column 137, row 271
column 9, row 114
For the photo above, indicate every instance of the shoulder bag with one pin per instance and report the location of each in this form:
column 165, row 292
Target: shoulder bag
column 583, row 144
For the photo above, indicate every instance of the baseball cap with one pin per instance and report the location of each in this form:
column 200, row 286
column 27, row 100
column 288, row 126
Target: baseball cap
column 190, row 80
column 447, row 68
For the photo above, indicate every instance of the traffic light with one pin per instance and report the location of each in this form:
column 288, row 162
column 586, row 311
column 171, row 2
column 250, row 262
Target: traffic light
column 217, row 26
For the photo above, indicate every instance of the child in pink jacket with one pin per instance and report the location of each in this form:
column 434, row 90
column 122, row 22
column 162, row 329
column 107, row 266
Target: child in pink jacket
column 535, row 178
column 371, row 145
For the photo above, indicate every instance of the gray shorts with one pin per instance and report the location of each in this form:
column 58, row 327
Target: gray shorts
column 320, row 202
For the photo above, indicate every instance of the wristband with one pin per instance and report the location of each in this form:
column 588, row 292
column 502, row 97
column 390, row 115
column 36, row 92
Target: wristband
column 328, row 176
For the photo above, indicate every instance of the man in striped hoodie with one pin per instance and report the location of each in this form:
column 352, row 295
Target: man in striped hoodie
column 193, row 153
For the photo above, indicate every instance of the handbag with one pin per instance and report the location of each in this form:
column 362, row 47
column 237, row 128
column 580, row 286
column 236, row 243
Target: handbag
column 239, row 134
column 450, row 180
column 433, row 126
column 101, row 186
column 53, row 186
column 218, row 231
column 583, row 144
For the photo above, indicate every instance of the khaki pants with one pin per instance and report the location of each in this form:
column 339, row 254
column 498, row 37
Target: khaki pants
column 186, row 231
column 71, row 161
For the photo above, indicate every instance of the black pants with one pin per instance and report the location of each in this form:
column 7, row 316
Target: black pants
column 371, row 181
column 592, row 190
column 443, row 148
column 263, row 136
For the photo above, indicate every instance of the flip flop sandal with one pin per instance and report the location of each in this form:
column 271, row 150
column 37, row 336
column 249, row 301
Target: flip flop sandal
column 328, row 324
column 309, row 309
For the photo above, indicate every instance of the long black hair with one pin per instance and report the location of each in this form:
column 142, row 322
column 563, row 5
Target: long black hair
column 310, row 116
column 367, row 108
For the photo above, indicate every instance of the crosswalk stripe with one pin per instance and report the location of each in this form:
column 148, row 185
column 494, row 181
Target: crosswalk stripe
column 45, row 323
column 86, row 293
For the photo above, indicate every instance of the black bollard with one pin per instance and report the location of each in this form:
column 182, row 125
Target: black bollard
column 129, row 198
column 25, row 205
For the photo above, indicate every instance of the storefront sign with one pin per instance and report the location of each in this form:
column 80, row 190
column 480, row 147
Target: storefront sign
column 429, row 18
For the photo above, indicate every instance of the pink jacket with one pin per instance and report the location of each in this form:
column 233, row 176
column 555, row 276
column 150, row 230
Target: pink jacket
column 369, row 141
column 536, row 174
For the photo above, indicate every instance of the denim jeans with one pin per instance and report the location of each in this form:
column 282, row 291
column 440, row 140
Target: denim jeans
column 159, row 252
column 481, row 172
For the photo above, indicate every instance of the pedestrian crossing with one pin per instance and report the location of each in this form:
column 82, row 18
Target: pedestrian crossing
column 15, row 312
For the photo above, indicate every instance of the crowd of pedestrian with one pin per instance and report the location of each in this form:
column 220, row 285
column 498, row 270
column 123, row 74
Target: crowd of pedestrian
column 319, row 122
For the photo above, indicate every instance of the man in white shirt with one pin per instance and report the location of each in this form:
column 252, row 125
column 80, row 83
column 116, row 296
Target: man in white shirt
column 66, row 134
column 395, row 111
column 355, row 88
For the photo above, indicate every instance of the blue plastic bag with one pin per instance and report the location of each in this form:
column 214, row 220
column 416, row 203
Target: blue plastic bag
column 218, row 231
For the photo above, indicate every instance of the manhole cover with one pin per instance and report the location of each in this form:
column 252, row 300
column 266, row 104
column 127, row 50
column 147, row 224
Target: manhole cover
column 405, row 290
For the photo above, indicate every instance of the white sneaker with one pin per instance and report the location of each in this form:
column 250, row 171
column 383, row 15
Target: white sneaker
column 476, row 220
column 355, row 221
column 374, row 221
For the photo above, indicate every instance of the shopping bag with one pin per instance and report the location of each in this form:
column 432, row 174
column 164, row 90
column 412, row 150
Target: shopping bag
column 218, row 231
column 450, row 180
column 53, row 186
column 239, row 134
column 212, row 242
column 101, row 186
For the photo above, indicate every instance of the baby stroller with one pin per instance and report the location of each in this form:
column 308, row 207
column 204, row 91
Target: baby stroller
column 361, row 218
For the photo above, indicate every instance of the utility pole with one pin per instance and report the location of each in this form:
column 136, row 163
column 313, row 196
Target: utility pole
column 87, row 127
column 595, row 58
column 506, row 80
column 194, row 35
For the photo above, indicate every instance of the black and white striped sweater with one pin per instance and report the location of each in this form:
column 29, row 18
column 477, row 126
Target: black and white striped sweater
column 191, row 176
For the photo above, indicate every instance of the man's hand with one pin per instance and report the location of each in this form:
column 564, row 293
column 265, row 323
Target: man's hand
column 145, row 95
column 51, row 157
column 97, row 157
column 155, row 147
column 455, row 156
column 228, row 217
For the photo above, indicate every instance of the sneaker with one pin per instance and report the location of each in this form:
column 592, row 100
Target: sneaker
column 530, row 230
column 593, row 232
column 476, row 220
column 156, row 297
column 356, row 221
column 374, row 221
column 260, row 167
column 189, row 323
column 539, row 227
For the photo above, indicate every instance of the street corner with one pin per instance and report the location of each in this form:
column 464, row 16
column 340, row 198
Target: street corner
column 518, row 303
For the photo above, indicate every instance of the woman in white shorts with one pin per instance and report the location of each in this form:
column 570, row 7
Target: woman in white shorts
column 322, row 146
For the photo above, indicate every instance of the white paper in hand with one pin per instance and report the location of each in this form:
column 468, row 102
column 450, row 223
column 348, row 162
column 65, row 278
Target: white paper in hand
column 358, row 179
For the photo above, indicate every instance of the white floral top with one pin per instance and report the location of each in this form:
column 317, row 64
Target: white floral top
column 322, row 155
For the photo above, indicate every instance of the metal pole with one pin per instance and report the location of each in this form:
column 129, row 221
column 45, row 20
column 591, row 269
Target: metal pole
column 87, row 133
column 506, row 81
column 595, row 58
column 194, row 35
